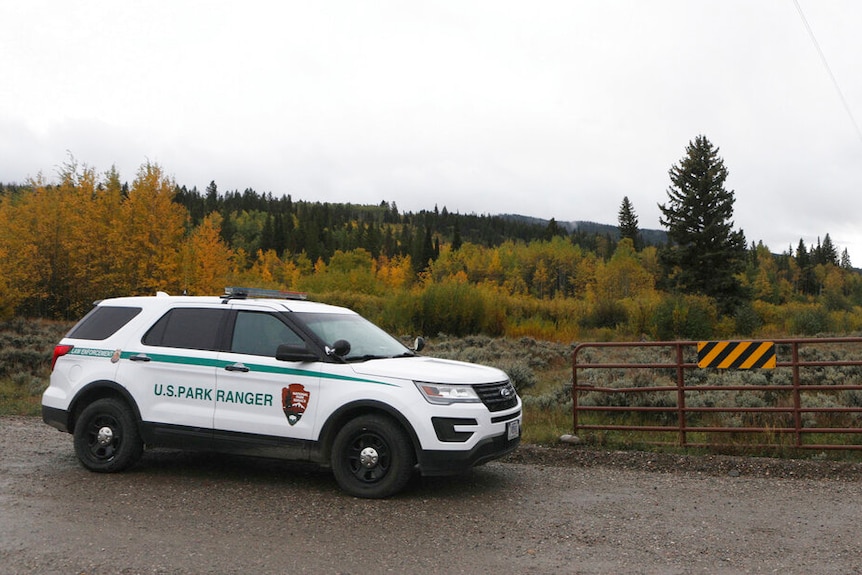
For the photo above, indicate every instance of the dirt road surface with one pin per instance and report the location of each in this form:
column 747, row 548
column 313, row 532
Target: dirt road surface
column 544, row 510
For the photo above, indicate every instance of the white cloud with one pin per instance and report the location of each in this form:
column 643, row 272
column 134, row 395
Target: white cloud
column 555, row 109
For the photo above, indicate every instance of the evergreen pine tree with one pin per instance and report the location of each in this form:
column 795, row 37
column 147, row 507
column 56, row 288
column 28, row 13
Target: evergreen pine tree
column 279, row 240
column 267, row 234
column 211, row 202
column 828, row 254
column 456, row 237
column 845, row 260
column 628, row 223
column 705, row 254
column 553, row 229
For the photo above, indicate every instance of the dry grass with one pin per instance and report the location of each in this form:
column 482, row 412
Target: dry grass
column 25, row 360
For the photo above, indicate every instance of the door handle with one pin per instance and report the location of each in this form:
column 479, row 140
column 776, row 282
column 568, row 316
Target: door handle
column 140, row 357
column 237, row 367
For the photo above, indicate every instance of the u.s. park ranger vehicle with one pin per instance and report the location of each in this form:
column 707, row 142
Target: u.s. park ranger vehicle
column 264, row 373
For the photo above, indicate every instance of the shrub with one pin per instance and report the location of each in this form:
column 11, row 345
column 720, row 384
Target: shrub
column 606, row 314
column 808, row 320
column 685, row 317
column 746, row 321
column 450, row 307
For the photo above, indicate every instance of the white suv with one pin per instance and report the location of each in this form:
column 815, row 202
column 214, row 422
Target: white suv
column 274, row 376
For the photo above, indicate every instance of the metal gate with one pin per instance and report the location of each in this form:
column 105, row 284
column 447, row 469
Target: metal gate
column 808, row 397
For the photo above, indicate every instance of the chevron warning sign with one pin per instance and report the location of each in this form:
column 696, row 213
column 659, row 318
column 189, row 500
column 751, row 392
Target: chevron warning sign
column 736, row 354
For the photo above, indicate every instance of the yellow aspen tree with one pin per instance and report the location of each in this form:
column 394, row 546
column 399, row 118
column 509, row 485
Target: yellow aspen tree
column 88, row 225
column 240, row 262
column 540, row 279
column 149, row 234
column 207, row 259
column 319, row 267
column 292, row 275
column 395, row 272
column 449, row 262
column 495, row 273
column 381, row 270
column 648, row 258
column 514, row 262
column 46, row 214
column 51, row 216
column 585, row 274
column 351, row 271
column 54, row 231
column 19, row 277
column 267, row 269
column 100, row 270
column 623, row 276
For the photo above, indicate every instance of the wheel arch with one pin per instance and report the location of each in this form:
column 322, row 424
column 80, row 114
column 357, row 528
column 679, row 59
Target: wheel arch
column 99, row 390
column 355, row 409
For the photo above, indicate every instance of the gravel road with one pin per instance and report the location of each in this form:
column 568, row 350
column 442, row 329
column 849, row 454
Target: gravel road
column 542, row 510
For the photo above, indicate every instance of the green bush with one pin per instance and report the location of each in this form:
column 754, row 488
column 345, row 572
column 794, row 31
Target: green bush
column 746, row 321
column 606, row 314
column 809, row 320
column 686, row 318
column 451, row 307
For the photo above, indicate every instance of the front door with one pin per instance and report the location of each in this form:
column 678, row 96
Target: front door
column 259, row 401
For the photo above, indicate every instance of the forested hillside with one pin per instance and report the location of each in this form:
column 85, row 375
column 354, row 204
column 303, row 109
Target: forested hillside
column 66, row 243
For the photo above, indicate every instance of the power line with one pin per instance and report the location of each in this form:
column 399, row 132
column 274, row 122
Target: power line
column 828, row 69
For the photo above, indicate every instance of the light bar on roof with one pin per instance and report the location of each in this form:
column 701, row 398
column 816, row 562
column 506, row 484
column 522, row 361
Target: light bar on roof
column 245, row 292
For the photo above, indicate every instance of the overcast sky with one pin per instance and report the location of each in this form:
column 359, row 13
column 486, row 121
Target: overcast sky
column 546, row 109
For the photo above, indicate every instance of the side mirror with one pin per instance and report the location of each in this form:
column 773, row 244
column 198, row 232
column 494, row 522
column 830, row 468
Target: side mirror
column 419, row 344
column 291, row 352
column 340, row 348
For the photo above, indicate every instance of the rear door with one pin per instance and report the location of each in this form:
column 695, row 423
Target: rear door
column 171, row 372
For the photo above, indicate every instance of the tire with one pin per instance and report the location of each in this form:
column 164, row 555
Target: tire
column 107, row 439
column 372, row 457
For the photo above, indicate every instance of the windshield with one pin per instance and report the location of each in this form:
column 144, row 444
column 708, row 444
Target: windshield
column 367, row 341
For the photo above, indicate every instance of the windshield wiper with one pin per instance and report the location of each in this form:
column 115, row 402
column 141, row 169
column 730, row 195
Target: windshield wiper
column 370, row 356
column 366, row 357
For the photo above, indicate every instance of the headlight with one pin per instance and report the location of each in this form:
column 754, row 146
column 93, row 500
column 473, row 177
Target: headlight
column 444, row 394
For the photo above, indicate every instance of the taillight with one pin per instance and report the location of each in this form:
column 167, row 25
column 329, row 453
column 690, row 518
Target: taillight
column 60, row 351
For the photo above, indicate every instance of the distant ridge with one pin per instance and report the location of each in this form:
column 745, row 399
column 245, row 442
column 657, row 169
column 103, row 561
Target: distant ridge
column 650, row 237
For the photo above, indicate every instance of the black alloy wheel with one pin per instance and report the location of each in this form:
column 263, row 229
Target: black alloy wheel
column 372, row 457
column 107, row 439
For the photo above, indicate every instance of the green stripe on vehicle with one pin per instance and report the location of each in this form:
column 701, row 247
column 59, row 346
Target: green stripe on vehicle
column 221, row 364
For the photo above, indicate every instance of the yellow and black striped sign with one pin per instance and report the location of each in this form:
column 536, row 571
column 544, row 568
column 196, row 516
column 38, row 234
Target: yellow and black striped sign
column 736, row 354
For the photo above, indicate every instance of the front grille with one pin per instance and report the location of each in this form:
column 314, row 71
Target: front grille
column 497, row 396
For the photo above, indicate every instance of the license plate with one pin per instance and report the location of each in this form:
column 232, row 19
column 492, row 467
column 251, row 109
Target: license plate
column 513, row 429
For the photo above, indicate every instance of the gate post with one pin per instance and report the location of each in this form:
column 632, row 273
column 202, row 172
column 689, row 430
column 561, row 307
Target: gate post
column 680, row 393
column 797, row 399
column 575, row 392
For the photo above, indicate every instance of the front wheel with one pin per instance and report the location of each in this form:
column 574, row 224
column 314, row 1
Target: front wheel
column 106, row 437
column 372, row 457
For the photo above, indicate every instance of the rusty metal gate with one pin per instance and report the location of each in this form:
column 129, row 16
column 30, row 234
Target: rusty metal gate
column 701, row 394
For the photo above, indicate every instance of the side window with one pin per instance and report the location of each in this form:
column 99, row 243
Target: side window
column 188, row 328
column 102, row 322
column 258, row 333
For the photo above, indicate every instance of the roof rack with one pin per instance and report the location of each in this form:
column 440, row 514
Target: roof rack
column 245, row 293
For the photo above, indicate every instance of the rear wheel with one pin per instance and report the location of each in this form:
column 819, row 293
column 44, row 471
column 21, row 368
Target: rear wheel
column 372, row 457
column 106, row 436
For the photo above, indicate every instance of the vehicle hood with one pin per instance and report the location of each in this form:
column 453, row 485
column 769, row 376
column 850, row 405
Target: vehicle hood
column 431, row 370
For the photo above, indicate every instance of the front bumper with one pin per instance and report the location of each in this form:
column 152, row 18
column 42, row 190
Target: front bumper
column 455, row 462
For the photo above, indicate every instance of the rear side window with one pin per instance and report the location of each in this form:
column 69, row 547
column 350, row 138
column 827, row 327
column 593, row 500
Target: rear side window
column 189, row 328
column 102, row 322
